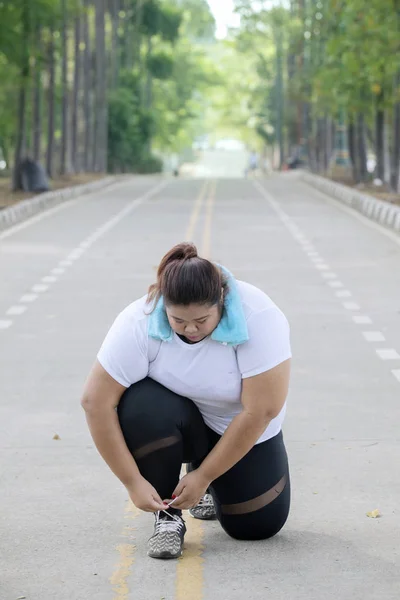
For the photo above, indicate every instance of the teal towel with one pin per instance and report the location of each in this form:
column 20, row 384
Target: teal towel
column 232, row 328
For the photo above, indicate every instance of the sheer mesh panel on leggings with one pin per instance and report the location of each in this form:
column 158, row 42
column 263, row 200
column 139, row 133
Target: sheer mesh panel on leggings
column 156, row 445
column 256, row 503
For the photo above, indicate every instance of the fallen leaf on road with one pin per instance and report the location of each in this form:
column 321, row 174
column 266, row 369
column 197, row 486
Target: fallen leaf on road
column 56, row 437
column 21, row 597
column 374, row 514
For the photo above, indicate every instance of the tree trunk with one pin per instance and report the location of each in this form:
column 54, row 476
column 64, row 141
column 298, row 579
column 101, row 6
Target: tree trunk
column 24, row 75
column 362, row 148
column 50, row 107
column 101, row 113
column 75, row 100
column 280, row 94
column 380, row 143
column 37, row 104
column 87, row 90
column 64, row 167
column 16, row 185
column 114, row 58
column 351, row 133
column 395, row 170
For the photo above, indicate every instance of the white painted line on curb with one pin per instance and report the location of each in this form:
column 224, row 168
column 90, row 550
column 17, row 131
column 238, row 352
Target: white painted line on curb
column 388, row 354
column 5, row 324
column 396, row 373
column 32, row 220
column 336, row 284
column 28, row 298
column 39, row 288
column 351, row 306
column 359, row 216
column 16, row 310
column 362, row 320
column 343, row 294
column 374, row 336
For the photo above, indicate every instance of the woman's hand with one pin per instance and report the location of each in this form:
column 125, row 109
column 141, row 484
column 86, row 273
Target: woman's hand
column 190, row 490
column 144, row 496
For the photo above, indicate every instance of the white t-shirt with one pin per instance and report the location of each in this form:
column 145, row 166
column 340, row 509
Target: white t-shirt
column 208, row 373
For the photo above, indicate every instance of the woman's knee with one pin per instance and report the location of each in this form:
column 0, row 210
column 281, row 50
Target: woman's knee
column 250, row 533
column 145, row 419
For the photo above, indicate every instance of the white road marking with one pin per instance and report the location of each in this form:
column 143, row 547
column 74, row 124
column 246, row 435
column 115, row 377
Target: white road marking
column 65, row 263
column 5, row 324
column 351, row 306
column 17, row 309
column 374, row 336
column 388, row 354
column 39, row 288
column 28, row 298
column 57, row 271
column 362, row 320
column 343, row 294
column 75, row 254
column 49, row 279
column 369, row 336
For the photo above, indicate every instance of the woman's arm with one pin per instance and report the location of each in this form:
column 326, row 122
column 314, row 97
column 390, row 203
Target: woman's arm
column 263, row 398
column 101, row 396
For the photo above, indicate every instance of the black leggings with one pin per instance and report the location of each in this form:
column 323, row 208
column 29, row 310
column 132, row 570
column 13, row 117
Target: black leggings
column 163, row 430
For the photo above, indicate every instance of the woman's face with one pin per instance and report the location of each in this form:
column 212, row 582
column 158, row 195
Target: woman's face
column 195, row 321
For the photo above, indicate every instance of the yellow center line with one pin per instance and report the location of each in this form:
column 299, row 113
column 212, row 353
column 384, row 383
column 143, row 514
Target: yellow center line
column 190, row 568
column 119, row 579
column 189, row 574
column 206, row 246
column 194, row 217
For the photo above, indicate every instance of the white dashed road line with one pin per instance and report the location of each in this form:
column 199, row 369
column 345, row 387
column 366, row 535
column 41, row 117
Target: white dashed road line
column 332, row 281
column 388, row 354
column 374, row 336
column 76, row 253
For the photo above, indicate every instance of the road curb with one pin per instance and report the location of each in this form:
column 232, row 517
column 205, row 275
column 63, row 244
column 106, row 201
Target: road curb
column 31, row 206
column 377, row 210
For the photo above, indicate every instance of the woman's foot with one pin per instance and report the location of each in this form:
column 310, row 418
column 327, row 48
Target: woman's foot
column 167, row 540
column 205, row 509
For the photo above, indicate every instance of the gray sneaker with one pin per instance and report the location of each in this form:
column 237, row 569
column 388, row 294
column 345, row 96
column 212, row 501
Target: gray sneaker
column 205, row 509
column 167, row 540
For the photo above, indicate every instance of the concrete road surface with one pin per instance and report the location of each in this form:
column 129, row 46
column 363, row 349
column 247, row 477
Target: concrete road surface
column 67, row 530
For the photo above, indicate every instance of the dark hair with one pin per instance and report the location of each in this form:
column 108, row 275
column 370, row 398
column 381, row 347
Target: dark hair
column 184, row 278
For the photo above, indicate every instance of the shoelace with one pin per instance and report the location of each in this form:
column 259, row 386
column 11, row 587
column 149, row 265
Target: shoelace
column 166, row 525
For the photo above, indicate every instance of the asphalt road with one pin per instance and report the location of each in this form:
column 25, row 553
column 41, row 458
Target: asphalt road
column 67, row 530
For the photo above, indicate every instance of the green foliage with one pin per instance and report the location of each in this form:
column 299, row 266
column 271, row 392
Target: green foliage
column 160, row 64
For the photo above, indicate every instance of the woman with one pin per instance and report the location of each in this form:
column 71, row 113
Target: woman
column 196, row 372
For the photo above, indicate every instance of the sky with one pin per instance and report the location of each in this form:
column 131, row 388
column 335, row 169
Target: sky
column 224, row 15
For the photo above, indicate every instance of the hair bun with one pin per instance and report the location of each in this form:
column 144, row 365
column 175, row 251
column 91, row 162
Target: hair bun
column 189, row 250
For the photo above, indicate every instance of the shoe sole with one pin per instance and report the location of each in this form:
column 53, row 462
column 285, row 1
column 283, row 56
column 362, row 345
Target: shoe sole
column 213, row 518
column 165, row 556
